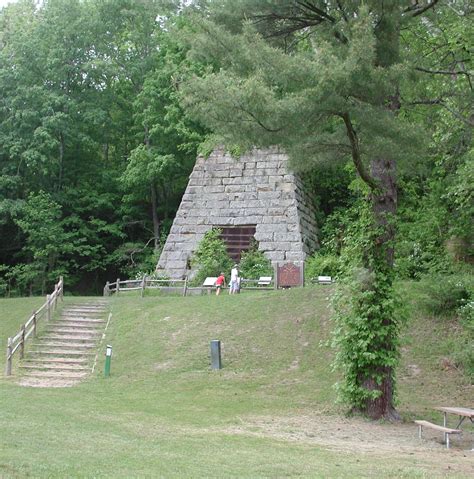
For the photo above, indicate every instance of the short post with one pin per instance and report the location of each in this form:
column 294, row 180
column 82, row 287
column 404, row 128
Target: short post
column 61, row 286
column 108, row 359
column 143, row 285
column 48, row 307
column 117, row 287
column 22, row 344
column 275, row 276
column 216, row 362
column 34, row 323
column 106, row 289
column 8, row 366
column 185, row 287
column 445, row 423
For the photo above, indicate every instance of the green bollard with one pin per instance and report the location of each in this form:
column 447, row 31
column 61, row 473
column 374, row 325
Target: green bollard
column 108, row 358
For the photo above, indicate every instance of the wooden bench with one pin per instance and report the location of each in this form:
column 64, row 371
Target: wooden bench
column 264, row 281
column 446, row 430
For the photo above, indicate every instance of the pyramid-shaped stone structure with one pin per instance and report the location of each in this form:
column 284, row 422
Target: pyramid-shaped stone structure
column 256, row 192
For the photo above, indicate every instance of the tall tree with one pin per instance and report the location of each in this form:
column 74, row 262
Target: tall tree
column 324, row 79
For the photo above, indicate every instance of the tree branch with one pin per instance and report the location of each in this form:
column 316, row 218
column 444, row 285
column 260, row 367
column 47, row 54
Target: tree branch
column 355, row 151
column 442, row 72
column 417, row 10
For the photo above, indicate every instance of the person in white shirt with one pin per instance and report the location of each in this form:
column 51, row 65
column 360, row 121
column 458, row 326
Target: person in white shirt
column 234, row 280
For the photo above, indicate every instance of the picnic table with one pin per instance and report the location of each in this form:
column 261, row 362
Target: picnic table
column 462, row 412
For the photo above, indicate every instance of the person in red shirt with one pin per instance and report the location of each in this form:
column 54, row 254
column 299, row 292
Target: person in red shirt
column 220, row 283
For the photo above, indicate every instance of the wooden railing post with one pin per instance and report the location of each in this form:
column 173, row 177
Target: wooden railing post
column 48, row 307
column 117, row 287
column 106, row 289
column 61, row 282
column 185, row 287
column 22, row 347
column 142, row 292
column 34, row 324
column 55, row 296
column 8, row 366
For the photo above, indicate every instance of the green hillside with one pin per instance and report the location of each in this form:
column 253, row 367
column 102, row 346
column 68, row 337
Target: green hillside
column 270, row 412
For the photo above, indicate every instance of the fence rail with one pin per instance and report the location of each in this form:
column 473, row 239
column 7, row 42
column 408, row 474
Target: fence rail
column 253, row 284
column 176, row 285
column 18, row 341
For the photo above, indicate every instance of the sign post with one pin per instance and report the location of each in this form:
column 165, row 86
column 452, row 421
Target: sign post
column 216, row 362
column 108, row 359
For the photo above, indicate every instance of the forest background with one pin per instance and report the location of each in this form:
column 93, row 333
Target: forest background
column 96, row 147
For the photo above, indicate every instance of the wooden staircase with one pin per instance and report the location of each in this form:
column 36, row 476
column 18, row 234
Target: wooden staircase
column 64, row 353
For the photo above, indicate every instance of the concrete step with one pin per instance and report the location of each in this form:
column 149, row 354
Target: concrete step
column 62, row 353
column 99, row 326
column 84, row 338
column 82, row 319
column 54, row 367
column 56, row 374
column 66, row 345
column 47, row 382
column 86, row 312
column 56, row 360
column 81, row 331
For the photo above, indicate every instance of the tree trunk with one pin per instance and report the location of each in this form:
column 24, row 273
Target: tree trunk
column 380, row 264
column 154, row 214
column 61, row 160
column 154, row 198
column 380, row 260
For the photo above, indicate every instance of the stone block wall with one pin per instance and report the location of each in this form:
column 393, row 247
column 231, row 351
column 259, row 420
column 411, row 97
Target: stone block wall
column 255, row 189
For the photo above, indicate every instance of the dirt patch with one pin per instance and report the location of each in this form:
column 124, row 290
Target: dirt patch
column 355, row 435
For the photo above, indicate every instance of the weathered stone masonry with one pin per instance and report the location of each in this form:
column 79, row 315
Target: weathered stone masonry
column 255, row 189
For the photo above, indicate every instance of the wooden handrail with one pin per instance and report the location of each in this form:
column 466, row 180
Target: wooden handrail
column 18, row 341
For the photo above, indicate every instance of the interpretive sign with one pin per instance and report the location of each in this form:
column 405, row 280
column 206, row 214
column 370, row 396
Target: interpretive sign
column 290, row 275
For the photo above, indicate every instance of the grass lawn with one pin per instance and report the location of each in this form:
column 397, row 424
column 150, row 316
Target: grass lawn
column 270, row 412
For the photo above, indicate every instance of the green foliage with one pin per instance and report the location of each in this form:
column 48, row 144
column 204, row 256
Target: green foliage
column 452, row 296
column 321, row 265
column 45, row 241
column 254, row 264
column 210, row 257
column 445, row 294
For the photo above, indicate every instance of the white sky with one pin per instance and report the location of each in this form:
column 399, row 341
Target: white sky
column 6, row 2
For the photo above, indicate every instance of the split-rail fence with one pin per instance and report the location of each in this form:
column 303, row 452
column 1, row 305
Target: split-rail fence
column 17, row 342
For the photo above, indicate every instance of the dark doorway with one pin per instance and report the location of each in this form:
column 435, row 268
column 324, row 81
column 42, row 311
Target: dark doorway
column 237, row 239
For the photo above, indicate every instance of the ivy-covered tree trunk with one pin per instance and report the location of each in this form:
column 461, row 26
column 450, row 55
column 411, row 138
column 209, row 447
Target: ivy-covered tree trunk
column 379, row 263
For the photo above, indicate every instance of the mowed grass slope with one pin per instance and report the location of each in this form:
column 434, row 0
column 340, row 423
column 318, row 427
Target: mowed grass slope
column 269, row 413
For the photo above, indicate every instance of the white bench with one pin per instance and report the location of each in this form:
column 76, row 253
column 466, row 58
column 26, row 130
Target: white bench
column 324, row 280
column 264, row 281
column 446, row 430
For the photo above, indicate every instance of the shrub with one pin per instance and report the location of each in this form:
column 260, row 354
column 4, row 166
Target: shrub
column 321, row 265
column 211, row 257
column 445, row 294
column 253, row 263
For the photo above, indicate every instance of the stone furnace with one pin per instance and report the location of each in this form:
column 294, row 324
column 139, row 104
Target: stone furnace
column 254, row 196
